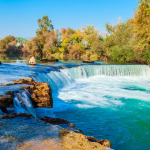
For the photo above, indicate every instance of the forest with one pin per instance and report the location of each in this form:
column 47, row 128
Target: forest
column 127, row 41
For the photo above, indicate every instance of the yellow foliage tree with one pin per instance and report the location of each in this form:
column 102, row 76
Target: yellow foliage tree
column 141, row 23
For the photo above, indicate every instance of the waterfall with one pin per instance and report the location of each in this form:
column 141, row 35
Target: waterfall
column 117, row 70
column 77, row 72
column 64, row 77
column 23, row 104
column 55, row 79
column 109, row 70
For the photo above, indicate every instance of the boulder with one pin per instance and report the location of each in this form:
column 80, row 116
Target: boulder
column 3, row 109
column 6, row 101
column 41, row 94
column 104, row 143
column 32, row 61
column 73, row 141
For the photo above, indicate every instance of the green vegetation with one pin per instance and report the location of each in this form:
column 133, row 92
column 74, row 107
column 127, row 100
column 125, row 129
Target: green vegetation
column 21, row 40
column 124, row 42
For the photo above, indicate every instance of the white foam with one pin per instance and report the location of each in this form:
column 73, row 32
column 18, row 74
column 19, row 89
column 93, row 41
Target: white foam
column 104, row 91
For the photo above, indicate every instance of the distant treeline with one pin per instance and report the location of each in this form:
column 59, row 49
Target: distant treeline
column 124, row 42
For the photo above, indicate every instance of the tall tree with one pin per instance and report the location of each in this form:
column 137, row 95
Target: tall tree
column 141, row 23
column 44, row 25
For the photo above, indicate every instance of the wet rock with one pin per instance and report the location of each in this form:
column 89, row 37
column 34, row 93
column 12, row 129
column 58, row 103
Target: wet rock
column 71, row 125
column 4, row 110
column 28, row 81
column 91, row 138
column 32, row 61
column 49, row 60
column 15, row 115
column 0, row 62
column 63, row 67
column 106, row 143
column 73, row 141
column 9, row 84
column 88, row 61
column 41, row 94
column 55, row 120
column 6, row 101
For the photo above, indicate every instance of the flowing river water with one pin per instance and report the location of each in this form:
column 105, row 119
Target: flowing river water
column 105, row 101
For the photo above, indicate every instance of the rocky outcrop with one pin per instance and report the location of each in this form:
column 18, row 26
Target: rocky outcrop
column 73, row 141
column 104, row 143
column 41, row 94
column 6, row 101
column 32, row 61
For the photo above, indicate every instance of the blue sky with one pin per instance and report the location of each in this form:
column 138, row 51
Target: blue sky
column 19, row 17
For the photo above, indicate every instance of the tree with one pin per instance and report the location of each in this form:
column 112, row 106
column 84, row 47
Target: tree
column 44, row 25
column 4, row 42
column 141, row 23
column 118, row 43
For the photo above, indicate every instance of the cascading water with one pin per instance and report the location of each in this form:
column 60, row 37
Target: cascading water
column 55, row 79
column 59, row 79
column 23, row 104
column 109, row 70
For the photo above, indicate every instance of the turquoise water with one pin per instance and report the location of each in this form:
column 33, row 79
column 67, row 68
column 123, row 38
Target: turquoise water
column 113, row 108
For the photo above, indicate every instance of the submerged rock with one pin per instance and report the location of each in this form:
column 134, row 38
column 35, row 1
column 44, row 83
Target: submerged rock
column 15, row 115
column 32, row 61
column 73, row 141
column 49, row 60
column 3, row 109
column 55, row 120
column 6, row 101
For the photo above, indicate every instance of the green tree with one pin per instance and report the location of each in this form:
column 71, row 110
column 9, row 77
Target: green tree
column 44, row 25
